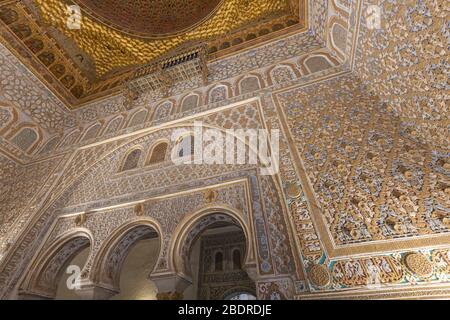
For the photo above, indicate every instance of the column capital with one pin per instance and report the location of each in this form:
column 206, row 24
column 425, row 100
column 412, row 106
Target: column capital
column 252, row 271
column 170, row 286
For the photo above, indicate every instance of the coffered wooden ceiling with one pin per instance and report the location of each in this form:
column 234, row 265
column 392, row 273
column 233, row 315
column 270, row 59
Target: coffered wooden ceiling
column 116, row 36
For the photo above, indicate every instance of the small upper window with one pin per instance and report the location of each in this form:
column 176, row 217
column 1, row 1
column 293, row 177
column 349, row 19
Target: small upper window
column 236, row 260
column 158, row 153
column 218, row 261
column 249, row 84
column 25, row 139
column 190, row 103
column 131, row 160
column 138, row 118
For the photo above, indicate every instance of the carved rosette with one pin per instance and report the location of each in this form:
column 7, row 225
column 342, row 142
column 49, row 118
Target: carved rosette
column 319, row 275
column 293, row 190
column 418, row 264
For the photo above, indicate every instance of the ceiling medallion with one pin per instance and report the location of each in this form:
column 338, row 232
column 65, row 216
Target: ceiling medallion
column 151, row 18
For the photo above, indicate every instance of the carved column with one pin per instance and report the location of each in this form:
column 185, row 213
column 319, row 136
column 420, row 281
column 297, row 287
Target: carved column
column 170, row 286
column 252, row 271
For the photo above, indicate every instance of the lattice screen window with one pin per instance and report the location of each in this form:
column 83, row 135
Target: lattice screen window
column 158, row 153
column 218, row 261
column 132, row 160
column 25, row 139
column 236, row 260
column 190, row 103
column 163, row 111
column 249, row 84
column 316, row 64
column 138, row 118
column 218, row 94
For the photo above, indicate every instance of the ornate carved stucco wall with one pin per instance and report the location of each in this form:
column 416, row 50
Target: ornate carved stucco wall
column 405, row 63
column 74, row 195
column 363, row 188
column 365, row 182
column 18, row 186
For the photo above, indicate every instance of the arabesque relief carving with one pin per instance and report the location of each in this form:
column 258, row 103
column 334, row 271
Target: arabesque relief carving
column 360, row 205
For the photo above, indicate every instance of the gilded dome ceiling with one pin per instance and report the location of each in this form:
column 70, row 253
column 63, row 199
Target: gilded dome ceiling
column 114, row 37
column 112, row 49
column 151, row 17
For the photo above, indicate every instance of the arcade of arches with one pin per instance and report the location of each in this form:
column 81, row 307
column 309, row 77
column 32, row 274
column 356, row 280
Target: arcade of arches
column 93, row 207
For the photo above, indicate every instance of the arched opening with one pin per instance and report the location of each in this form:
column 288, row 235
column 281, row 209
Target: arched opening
column 67, row 285
column 317, row 63
column 138, row 118
column 158, row 153
column 25, row 139
column 58, row 271
column 163, row 110
column 209, row 254
column 218, row 262
column 218, row 94
column 131, row 160
column 249, row 84
column 190, row 103
column 282, row 74
column 236, row 259
column 130, row 256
